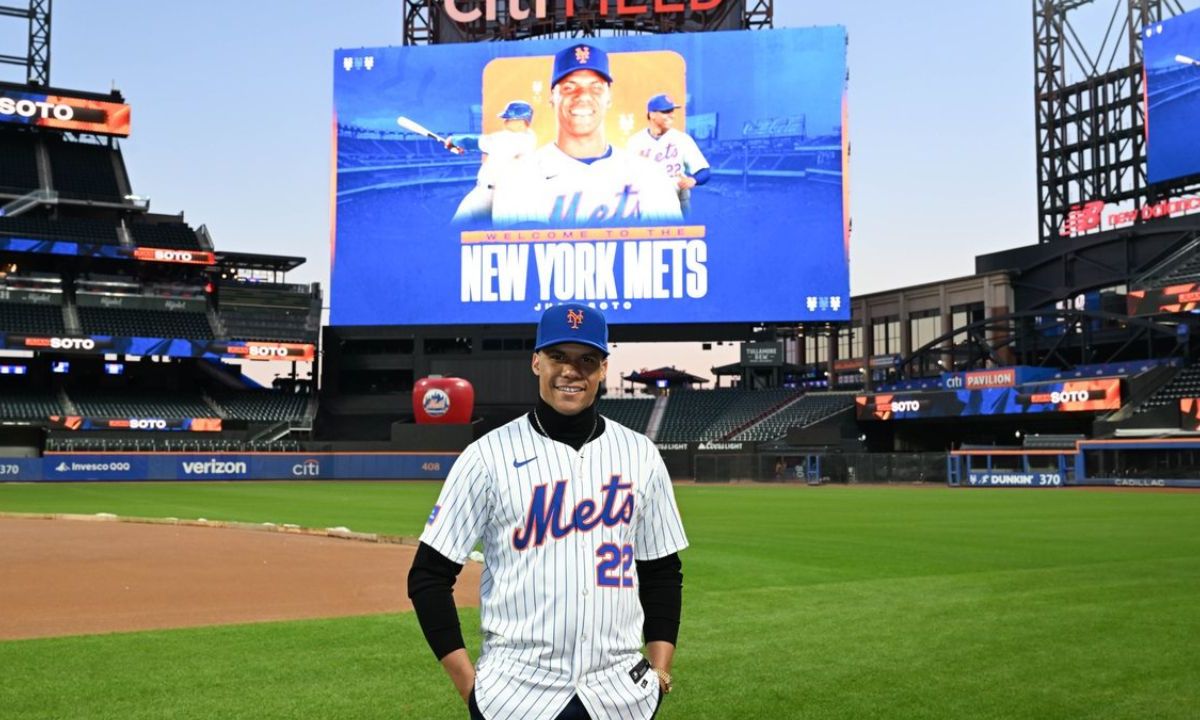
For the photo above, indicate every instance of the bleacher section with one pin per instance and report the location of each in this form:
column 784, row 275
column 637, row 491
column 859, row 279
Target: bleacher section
column 18, row 171
column 1185, row 384
column 145, row 323
column 75, row 230
column 262, row 405
column 31, row 319
column 21, row 404
column 702, row 415
column 145, row 404
column 633, row 414
column 262, row 311
column 173, row 235
column 805, row 411
column 83, row 170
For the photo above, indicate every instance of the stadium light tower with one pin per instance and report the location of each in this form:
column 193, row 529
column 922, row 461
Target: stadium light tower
column 37, row 55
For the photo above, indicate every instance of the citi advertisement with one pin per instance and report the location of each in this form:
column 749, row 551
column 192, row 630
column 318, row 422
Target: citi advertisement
column 1056, row 397
column 63, row 112
column 1171, row 52
column 651, row 177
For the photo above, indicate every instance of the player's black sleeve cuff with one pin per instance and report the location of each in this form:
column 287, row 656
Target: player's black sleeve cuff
column 660, row 588
column 431, row 589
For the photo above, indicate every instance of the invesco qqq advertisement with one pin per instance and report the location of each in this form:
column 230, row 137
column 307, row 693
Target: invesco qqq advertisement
column 673, row 178
column 1171, row 50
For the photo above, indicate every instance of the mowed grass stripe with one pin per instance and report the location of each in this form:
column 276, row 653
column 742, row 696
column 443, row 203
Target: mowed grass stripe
column 823, row 603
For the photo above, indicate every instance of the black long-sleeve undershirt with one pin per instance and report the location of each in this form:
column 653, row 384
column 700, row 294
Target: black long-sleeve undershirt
column 431, row 589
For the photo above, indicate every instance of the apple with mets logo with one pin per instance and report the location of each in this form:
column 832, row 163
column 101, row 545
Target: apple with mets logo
column 441, row 400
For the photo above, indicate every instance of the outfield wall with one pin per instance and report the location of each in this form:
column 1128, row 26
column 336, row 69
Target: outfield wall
column 75, row 467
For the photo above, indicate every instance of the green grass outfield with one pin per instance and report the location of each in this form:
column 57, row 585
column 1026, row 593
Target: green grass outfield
column 828, row 602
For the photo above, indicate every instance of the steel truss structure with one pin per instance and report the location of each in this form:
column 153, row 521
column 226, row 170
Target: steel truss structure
column 1055, row 338
column 37, row 56
column 424, row 23
column 1088, row 105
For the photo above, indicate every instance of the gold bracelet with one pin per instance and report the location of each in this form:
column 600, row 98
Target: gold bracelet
column 665, row 677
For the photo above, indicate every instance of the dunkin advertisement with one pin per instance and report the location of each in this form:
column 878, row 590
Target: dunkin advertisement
column 648, row 176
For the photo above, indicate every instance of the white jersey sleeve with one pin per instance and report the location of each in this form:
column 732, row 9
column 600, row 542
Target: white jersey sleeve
column 458, row 520
column 660, row 529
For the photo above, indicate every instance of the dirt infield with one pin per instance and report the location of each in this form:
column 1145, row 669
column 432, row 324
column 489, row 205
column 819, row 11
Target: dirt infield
column 63, row 577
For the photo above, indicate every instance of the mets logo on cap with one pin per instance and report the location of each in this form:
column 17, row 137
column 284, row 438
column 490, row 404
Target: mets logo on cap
column 574, row 318
column 582, row 54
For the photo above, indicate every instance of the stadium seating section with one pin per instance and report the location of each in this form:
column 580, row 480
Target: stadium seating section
column 18, row 171
column 31, row 319
column 633, row 413
column 144, row 323
column 83, row 170
column 805, row 411
column 20, row 404
column 262, row 405
column 75, row 230
column 1185, row 384
column 269, row 312
column 146, row 404
column 701, row 415
column 176, row 236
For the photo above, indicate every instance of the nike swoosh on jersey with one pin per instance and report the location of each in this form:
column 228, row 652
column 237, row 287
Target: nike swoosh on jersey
column 518, row 464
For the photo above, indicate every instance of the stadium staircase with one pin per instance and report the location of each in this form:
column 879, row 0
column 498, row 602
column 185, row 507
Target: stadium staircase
column 64, row 400
column 217, row 411
column 656, row 416
column 805, row 411
column 786, row 403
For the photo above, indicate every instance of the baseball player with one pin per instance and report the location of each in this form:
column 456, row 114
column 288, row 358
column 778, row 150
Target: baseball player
column 580, row 179
column 674, row 151
column 502, row 148
column 580, row 535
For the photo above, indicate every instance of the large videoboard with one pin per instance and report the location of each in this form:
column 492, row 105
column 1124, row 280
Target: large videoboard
column 1171, row 51
column 556, row 190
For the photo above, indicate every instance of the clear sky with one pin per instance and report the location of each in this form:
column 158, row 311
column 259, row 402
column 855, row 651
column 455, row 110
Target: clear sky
column 232, row 103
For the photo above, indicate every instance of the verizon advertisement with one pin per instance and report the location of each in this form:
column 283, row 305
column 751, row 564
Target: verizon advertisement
column 1054, row 397
column 63, row 112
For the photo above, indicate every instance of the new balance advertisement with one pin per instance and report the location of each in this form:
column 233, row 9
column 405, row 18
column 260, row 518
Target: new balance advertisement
column 651, row 177
column 1171, row 52
column 1056, row 397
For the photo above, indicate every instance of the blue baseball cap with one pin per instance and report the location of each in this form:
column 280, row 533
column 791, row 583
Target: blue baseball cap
column 661, row 103
column 572, row 323
column 517, row 110
column 580, row 57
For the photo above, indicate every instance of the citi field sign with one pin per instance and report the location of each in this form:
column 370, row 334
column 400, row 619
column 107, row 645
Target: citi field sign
column 467, row 11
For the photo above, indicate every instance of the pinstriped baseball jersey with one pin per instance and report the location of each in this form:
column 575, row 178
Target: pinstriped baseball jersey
column 674, row 151
column 552, row 188
column 561, row 530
